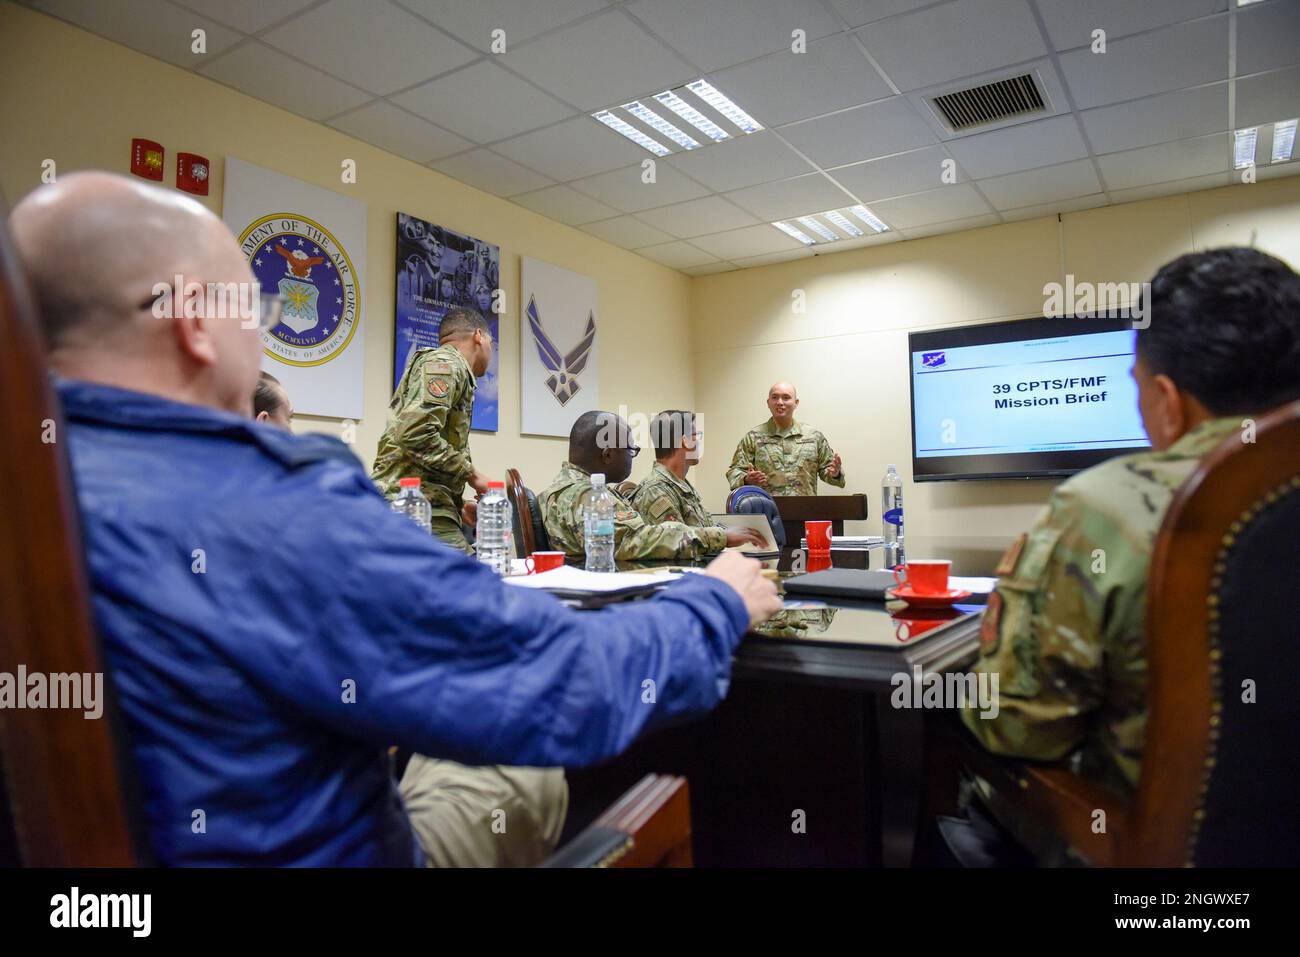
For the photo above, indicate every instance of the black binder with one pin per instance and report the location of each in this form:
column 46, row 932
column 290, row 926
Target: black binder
column 855, row 583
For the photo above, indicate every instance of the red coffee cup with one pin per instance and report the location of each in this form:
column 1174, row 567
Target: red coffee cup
column 539, row 562
column 818, row 535
column 819, row 561
column 925, row 576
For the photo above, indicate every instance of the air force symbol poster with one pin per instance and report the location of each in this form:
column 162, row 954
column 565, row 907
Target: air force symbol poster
column 559, row 339
column 307, row 245
column 438, row 269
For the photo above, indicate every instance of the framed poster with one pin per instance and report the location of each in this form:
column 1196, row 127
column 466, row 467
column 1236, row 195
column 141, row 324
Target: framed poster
column 309, row 245
column 437, row 269
column 558, row 347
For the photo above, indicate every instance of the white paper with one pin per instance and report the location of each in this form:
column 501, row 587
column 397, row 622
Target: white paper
column 979, row 586
column 595, row 583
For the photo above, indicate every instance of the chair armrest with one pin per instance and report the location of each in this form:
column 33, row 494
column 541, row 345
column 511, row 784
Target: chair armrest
column 649, row 826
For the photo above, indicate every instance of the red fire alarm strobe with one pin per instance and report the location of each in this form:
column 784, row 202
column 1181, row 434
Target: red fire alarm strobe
column 147, row 159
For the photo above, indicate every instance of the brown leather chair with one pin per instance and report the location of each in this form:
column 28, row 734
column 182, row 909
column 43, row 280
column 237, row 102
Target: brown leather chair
column 66, row 777
column 1219, row 773
column 649, row 826
column 529, row 529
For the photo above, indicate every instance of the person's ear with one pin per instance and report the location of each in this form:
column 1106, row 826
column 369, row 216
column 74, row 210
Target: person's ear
column 194, row 337
column 1171, row 410
column 263, row 416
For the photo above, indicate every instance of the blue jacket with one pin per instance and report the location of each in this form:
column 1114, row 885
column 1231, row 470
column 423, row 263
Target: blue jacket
column 245, row 579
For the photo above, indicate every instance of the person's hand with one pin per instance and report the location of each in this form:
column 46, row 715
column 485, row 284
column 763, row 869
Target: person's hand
column 745, row 536
column 755, row 477
column 834, row 470
column 479, row 483
column 745, row 576
column 469, row 513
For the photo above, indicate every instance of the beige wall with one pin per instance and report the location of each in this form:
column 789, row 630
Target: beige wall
column 78, row 99
column 847, row 352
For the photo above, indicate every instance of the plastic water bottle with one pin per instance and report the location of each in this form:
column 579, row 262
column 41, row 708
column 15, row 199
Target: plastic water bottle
column 410, row 501
column 598, row 525
column 891, row 517
column 493, row 533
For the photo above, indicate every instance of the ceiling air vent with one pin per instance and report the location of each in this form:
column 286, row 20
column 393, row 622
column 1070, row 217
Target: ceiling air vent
column 1015, row 96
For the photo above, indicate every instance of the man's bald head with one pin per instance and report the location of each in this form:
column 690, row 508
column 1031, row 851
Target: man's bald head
column 602, row 442
column 782, row 400
column 95, row 247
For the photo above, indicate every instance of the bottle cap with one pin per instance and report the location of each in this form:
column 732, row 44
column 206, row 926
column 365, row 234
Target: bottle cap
column 496, row 484
column 409, row 482
column 891, row 468
column 597, row 478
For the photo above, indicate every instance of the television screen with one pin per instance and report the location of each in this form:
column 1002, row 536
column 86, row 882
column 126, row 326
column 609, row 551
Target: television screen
column 1033, row 398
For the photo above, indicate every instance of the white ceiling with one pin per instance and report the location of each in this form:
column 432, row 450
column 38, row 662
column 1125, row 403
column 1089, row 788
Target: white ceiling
column 847, row 121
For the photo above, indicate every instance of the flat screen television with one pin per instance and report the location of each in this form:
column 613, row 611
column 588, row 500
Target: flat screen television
column 1031, row 398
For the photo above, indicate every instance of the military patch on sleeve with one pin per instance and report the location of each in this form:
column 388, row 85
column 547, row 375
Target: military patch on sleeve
column 1012, row 555
column 990, row 624
column 437, row 386
column 625, row 514
column 439, row 368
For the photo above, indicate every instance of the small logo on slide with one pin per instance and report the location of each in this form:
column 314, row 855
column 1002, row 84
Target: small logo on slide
column 932, row 359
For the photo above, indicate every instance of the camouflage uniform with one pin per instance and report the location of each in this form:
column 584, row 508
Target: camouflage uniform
column 633, row 538
column 663, row 497
column 427, row 436
column 1064, row 629
column 792, row 459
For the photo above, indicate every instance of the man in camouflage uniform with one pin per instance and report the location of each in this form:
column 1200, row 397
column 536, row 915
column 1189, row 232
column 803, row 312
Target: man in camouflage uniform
column 782, row 455
column 427, row 435
column 1064, row 629
column 602, row 442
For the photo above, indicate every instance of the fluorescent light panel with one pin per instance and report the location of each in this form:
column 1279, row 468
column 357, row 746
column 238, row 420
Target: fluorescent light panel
column 706, row 92
column 1243, row 147
column 657, row 123
column 870, row 218
column 693, row 116
column 796, row 233
column 1283, row 140
column 632, row 133
column 843, row 222
column 818, row 227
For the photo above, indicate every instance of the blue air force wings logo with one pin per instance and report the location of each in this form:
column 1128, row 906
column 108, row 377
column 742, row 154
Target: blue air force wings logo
column 932, row 359
column 564, row 369
column 302, row 261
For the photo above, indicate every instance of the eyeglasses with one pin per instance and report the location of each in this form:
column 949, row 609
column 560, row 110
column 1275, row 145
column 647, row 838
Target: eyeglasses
column 267, row 311
column 270, row 306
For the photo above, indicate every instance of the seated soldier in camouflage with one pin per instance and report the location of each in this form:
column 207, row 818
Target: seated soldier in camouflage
column 667, row 495
column 602, row 442
column 1064, row 629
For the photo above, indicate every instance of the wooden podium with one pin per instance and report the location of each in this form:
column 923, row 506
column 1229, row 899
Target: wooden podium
column 838, row 509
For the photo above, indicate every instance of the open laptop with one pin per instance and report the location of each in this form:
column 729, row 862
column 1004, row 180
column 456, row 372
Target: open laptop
column 757, row 522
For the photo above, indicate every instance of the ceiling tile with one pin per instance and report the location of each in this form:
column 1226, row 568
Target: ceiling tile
column 1268, row 97
column 158, row 29
column 1052, row 209
column 268, row 75
column 750, row 241
column 894, row 175
column 624, row 188
column 602, row 61
column 1167, row 161
column 1213, row 181
column 858, row 12
column 879, row 129
column 678, row 255
column 247, row 15
column 935, row 206
column 474, row 20
column 1268, row 37
column 487, row 171
column 800, row 196
column 377, row 46
column 741, row 161
column 784, row 87
column 714, row 34
column 399, row 132
column 1170, row 59
column 626, row 231
column 1070, row 23
column 1036, row 186
column 952, row 40
column 1013, row 148
column 483, row 102
column 564, row 204
column 1157, row 119
column 696, row 217
column 935, row 229
column 571, row 149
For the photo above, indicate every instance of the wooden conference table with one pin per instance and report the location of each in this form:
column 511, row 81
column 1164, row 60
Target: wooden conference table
column 807, row 762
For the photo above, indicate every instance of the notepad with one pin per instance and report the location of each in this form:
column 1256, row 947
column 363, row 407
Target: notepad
column 570, row 582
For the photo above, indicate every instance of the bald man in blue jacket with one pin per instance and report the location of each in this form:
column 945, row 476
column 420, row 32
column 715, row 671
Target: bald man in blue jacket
column 271, row 627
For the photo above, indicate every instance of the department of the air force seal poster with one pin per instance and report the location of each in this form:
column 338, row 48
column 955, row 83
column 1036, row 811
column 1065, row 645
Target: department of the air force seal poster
column 306, row 245
column 558, row 345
